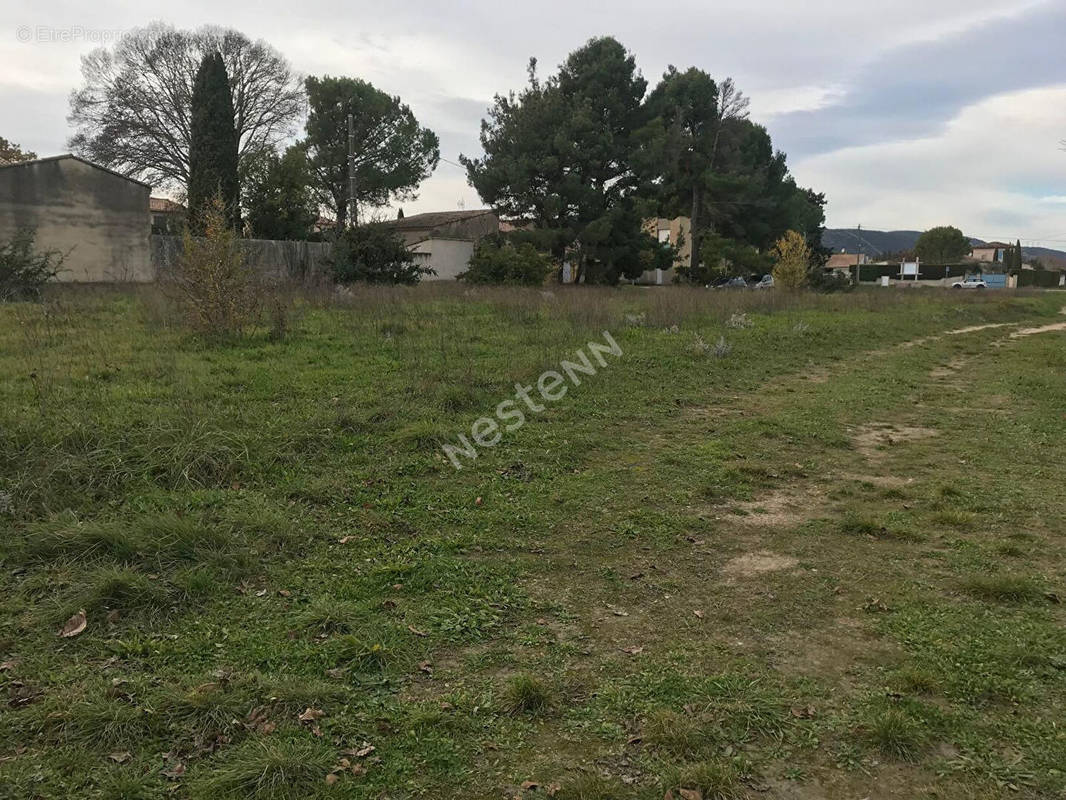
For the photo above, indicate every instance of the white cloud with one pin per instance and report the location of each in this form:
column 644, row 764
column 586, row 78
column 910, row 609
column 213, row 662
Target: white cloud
column 988, row 172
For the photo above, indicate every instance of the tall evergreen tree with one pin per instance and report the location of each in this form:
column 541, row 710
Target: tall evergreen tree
column 558, row 155
column 213, row 143
column 1018, row 255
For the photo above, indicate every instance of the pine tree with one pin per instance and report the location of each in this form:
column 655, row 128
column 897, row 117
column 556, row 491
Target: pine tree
column 213, row 144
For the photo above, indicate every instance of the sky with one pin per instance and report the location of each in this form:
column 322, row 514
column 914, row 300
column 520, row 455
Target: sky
column 906, row 113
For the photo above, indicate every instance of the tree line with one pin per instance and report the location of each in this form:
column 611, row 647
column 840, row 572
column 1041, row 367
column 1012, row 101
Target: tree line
column 170, row 107
column 585, row 155
column 578, row 160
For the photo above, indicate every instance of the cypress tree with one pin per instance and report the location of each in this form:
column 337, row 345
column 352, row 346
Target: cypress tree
column 1018, row 255
column 213, row 143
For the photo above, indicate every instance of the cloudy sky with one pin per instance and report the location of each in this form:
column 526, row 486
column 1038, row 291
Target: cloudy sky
column 907, row 113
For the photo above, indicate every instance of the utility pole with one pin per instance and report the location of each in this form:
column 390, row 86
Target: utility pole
column 353, row 207
column 858, row 254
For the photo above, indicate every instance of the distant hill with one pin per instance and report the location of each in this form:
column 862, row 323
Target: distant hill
column 876, row 243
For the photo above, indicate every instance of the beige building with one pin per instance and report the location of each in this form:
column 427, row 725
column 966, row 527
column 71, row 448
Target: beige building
column 99, row 218
column 990, row 253
column 675, row 232
column 444, row 241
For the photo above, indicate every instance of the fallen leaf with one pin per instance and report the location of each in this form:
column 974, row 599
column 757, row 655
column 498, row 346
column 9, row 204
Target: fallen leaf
column 331, row 779
column 635, row 739
column 633, row 651
column 698, row 613
column 175, row 772
column 345, row 539
column 358, row 769
column 120, row 758
column 803, row 712
column 75, row 625
column 8, row 665
column 415, row 631
column 261, row 593
column 284, row 593
column 620, row 613
column 362, row 751
column 530, row 786
column 552, row 789
column 477, row 502
column 426, row 667
column 311, row 714
column 690, row 794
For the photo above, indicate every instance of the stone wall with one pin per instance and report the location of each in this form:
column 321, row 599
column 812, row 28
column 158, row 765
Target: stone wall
column 274, row 260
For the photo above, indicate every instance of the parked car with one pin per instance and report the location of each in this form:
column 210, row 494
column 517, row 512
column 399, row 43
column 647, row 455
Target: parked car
column 731, row 283
column 766, row 282
column 970, row 283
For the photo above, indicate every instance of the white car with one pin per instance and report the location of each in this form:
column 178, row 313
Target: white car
column 970, row 283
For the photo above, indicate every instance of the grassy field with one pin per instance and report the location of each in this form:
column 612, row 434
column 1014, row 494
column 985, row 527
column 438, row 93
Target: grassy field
column 781, row 547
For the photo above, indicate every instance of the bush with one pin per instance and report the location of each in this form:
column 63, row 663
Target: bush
column 374, row 254
column 219, row 292
column 24, row 270
column 497, row 260
column 792, row 260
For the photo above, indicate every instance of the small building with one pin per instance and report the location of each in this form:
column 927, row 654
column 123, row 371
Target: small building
column 470, row 225
column 674, row 232
column 990, row 253
column 99, row 218
column 845, row 262
column 444, row 241
column 168, row 217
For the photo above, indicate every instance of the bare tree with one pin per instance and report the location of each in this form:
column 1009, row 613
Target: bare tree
column 133, row 112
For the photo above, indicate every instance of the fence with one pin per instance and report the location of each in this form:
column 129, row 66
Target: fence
column 276, row 260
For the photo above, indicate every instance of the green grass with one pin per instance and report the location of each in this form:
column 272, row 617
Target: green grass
column 685, row 575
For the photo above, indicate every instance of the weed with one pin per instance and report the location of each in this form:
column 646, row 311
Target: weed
column 526, row 694
column 711, row 780
column 1003, row 588
column 675, row 734
column 265, row 769
column 897, row 734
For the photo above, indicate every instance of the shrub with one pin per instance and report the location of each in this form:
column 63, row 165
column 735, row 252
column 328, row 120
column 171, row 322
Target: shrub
column 23, row 269
column 374, row 254
column 500, row 261
column 792, row 259
column 217, row 290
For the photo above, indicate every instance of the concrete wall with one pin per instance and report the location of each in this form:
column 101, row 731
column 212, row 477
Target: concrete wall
column 275, row 260
column 101, row 218
column 448, row 257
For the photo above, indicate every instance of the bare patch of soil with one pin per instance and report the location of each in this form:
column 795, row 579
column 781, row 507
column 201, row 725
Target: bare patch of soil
column 778, row 509
column 832, row 652
column 882, row 481
column 1058, row 326
column 870, row 440
column 752, row 565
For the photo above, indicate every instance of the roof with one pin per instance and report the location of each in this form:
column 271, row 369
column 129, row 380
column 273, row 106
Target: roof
column 992, row 246
column 164, row 205
column 841, row 260
column 76, row 158
column 434, row 219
